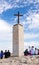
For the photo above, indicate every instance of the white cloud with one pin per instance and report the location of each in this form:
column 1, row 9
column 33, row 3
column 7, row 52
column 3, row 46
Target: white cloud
column 37, row 1
column 5, row 35
column 4, row 26
column 5, row 5
column 31, row 35
column 31, row 43
column 34, row 20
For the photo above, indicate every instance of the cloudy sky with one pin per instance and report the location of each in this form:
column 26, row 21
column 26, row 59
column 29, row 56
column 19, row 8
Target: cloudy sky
column 29, row 20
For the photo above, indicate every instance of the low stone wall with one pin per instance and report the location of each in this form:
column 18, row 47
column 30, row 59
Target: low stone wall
column 26, row 60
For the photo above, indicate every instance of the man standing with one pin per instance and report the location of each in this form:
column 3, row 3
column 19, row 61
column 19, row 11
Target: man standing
column 32, row 50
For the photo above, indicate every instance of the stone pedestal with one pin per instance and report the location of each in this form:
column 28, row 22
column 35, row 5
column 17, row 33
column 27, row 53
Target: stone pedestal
column 18, row 40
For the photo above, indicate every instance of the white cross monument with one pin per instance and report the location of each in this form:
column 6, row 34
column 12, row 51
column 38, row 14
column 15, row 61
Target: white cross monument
column 18, row 38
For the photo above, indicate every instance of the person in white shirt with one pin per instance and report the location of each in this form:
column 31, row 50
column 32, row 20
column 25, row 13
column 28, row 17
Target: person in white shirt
column 36, row 51
column 29, row 50
column 32, row 50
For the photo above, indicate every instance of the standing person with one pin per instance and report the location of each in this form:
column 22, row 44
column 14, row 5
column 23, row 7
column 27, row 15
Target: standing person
column 26, row 52
column 5, row 53
column 36, row 51
column 32, row 50
column 8, row 53
column 2, row 54
column 29, row 50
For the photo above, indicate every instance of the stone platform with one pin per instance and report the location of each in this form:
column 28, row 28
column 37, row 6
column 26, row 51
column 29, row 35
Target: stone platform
column 26, row 60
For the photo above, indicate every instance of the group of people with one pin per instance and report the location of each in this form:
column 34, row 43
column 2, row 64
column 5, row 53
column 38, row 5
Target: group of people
column 31, row 51
column 6, row 54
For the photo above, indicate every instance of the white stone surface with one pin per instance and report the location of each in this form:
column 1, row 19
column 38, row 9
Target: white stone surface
column 18, row 40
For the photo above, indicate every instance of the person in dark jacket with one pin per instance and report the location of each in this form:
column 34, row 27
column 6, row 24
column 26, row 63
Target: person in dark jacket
column 26, row 52
column 5, row 53
column 8, row 53
column 38, row 51
column 2, row 54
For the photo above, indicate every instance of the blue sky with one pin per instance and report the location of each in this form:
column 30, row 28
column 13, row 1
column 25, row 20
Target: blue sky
column 29, row 20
